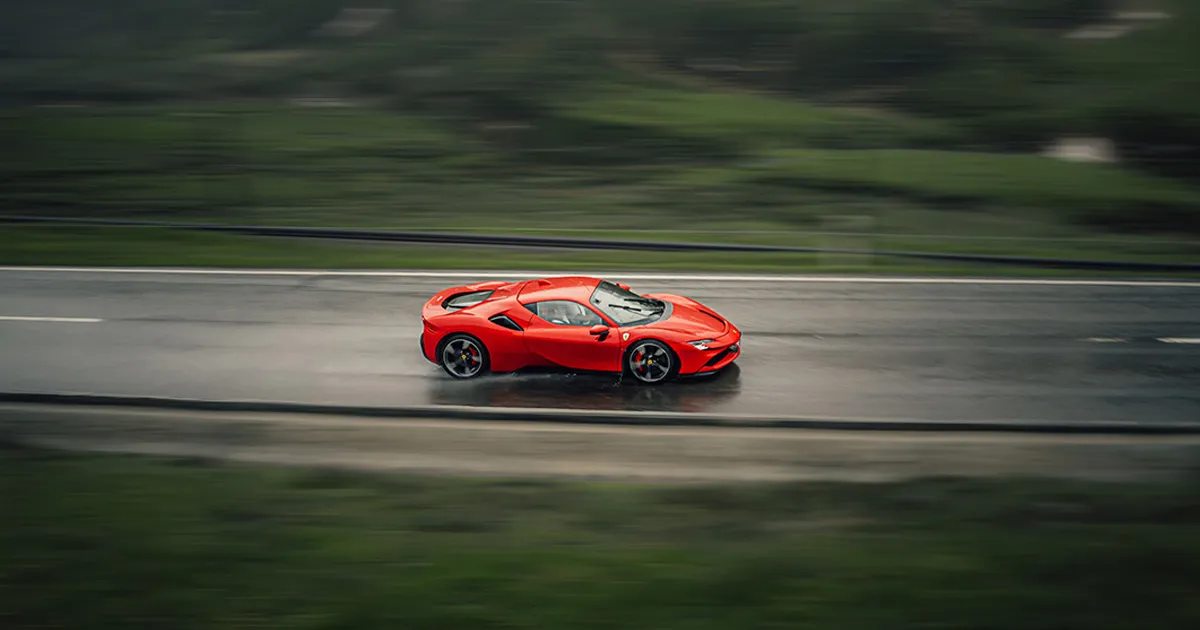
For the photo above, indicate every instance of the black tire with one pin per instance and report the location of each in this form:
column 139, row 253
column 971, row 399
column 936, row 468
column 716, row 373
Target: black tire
column 650, row 373
column 470, row 366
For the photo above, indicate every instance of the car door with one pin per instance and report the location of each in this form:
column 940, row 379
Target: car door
column 561, row 332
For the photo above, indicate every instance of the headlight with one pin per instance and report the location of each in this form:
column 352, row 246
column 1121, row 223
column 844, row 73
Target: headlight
column 701, row 344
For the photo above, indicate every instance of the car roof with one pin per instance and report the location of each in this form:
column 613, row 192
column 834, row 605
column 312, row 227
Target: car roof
column 577, row 288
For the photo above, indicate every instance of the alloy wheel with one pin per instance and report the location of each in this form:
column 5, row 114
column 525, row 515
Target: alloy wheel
column 462, row 358
column 650, row 362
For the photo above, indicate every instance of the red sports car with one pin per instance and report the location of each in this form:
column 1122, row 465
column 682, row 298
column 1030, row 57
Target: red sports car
column 577, row 324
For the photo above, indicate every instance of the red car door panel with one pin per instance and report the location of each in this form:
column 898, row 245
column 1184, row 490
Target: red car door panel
column 572, row 345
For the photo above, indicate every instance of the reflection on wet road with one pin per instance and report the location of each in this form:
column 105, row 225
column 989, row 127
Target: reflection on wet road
column 922, row 350
column 580, row 391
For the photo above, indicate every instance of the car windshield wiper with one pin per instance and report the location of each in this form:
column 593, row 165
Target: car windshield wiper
column 628, row 308
column 659, row 305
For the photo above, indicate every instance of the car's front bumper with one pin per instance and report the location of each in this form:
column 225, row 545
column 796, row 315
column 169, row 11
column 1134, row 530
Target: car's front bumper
column 725, row 350
column 723, row 358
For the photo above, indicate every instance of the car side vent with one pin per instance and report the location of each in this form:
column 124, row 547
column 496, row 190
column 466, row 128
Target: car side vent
column 505, row 321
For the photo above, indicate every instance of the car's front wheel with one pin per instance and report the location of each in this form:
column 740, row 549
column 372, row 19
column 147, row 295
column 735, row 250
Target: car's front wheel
column 651, row 362
column 463, row 356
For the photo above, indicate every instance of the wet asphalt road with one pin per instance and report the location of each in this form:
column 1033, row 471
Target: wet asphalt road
column 932, row 350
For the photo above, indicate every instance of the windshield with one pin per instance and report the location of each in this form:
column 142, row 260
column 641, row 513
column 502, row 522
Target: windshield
column 626, row 307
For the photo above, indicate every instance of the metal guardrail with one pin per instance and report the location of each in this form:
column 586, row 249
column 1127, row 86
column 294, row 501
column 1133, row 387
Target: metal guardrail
column 566, row 242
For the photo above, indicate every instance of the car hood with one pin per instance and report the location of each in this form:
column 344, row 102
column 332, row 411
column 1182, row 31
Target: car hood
column 691, row 317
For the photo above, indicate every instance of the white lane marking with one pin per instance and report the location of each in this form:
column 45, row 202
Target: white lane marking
column 516, row 275
column 1195, row 340
column 1105, row 340
column 67, row 320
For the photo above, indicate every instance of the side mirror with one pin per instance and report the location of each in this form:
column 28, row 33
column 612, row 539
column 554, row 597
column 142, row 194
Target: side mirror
column 599, row 329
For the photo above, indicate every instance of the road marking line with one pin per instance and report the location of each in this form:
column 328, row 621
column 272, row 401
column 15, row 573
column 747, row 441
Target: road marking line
column 1195, row 340
column 1105, row 340
column 68, row 320
column 517, row 275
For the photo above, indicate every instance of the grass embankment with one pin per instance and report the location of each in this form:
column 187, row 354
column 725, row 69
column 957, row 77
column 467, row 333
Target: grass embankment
column 373, row 168
column 513, row 129
column 150, row 247
column 176, row 248
column 91, row 541
column 363, row 165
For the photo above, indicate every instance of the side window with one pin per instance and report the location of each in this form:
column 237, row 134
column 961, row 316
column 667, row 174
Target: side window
column 565, row 313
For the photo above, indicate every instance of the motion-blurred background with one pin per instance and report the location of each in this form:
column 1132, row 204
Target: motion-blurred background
column 1065, row 128
column 1019, row 128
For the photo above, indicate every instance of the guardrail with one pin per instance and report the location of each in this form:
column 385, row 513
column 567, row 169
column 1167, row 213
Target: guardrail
column 566, row 242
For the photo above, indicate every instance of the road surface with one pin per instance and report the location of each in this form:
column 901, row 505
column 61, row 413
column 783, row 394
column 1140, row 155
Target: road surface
column 928, row 349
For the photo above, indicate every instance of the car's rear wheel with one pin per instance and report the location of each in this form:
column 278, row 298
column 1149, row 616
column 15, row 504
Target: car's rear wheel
column 651, row 362
column 463, row 356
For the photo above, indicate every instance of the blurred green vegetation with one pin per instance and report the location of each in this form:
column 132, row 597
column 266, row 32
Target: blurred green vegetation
column 911, row 118
column 142, row 247
column 104, row 541
column 988, row 64
column 135, row 247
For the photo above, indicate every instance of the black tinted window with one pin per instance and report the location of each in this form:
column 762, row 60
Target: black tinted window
column 467, row 299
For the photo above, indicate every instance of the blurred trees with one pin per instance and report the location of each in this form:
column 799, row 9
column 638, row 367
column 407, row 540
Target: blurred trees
column 1001, row 69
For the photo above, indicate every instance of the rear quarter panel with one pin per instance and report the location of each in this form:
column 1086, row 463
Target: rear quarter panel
column 506, row 348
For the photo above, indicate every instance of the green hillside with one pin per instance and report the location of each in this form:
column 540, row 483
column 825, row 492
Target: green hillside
column 926, row 116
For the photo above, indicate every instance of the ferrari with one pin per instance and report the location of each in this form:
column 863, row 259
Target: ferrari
column 574, row 324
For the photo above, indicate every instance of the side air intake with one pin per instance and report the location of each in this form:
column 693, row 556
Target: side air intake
column 505, row 321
